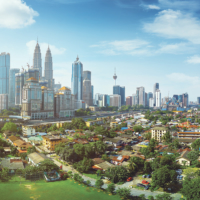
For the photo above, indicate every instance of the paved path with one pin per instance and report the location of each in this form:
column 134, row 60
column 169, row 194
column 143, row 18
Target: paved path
column 134, row 192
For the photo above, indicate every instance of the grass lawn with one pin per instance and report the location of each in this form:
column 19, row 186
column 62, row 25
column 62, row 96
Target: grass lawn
column 53, row 190
column 94, row 176
column 10, row 156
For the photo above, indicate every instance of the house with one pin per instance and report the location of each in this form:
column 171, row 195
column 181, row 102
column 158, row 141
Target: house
column 119, row 160
column 113, row 124
column 12, row 164
column 183, row 159
column 22, row 146
column 92, row 123
column 28, row 131
column 7, row 150
column 103, row 166
column 7, row 133
column 12, row 138
column 36, row 158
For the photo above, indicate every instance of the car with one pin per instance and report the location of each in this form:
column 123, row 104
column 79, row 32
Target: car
column 148, row 175
column 129, row 179
column 146, row 187
column 145, row 182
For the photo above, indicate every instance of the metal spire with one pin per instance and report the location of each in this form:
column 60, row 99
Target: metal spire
column 115, row 76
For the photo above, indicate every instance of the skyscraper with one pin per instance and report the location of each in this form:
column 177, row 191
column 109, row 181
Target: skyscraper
column 115, row 100
column 149, row 95
column 77, row 79
column 129, row 101
column 11, row 97
column 37, row 60
column 176, row 97
column 198, row 100
column 120, row 91
column 141, row 95
column 87, row 75
column 87, row 92
column 185, row 100
column 134, row 99
column 158, row 98
column 4, row 73
column 155, row 87
column 48, row 69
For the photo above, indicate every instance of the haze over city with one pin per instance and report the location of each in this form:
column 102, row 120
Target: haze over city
column 147, row 41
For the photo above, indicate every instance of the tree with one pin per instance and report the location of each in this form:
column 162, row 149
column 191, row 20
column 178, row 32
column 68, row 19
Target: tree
column 161, row 177
column 84, row 165
column 124, row 193
column 148, row 136
column 136, row 163
column 147, row 167
column 196, row 144
column 142, row 197
column 4, row 175
column 164, row 196
column 191, row 189
column 111, row 188
column 31, row 150
column 193, row 156
column 48, row 165
column 152, row 144
column 150, row 197
column 99, row 184
column 117, row 174
column 88, row 182
column 128, row 148
column 167, row 137
column 105, row 157
column 23, row 155
column 137, row 128
column 10, row 126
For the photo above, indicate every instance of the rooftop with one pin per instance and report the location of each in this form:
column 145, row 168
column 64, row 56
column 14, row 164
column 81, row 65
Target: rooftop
column 161, row 128
column 37, row 157
column 64, row 88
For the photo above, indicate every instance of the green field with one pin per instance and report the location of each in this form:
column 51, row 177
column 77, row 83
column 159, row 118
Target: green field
column 60, row 190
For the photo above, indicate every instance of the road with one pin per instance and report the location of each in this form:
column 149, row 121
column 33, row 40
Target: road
column 134, row 192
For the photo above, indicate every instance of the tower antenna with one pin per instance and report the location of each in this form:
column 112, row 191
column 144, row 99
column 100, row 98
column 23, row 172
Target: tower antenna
column 115, row 76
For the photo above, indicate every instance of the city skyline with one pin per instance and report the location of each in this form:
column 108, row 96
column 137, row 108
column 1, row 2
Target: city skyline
column 142, row 53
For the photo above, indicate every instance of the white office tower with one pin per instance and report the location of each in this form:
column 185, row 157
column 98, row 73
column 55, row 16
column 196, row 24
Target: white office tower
column 48, row 69
column 151, row 102
column 37, row 60
column 158, row 99
column 115, row 100
column 141, row 96
column 134, row 99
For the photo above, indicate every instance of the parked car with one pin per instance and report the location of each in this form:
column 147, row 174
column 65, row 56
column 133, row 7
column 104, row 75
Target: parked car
column 129, row 179
column 179, row 177
column 179, row 171
column 145, row 182
column 146, row 187
column 148, row 176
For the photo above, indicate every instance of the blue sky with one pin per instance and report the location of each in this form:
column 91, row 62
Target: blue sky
column 147, row 41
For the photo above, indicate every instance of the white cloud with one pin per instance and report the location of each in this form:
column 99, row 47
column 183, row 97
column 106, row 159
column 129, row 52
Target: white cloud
column 121, row 46
column 194, row 59
column 153, row 7
column 16, row 14
column 175, row 24
column 43, row 46
column 182, row 78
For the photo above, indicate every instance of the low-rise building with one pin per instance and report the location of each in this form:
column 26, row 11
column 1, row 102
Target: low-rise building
column 113, row 124
column 91, row 123
column 36, row 158
column 28, row 131
column 158, row 132
column 12, row 164
column 188, row 135
column 50, row 142
column 21, row 146
column 183, row 159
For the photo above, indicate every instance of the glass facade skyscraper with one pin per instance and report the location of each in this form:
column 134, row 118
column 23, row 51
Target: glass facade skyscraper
column 87, row 75
column 77, row 79
column 4, row 73
column 11, row 97
column 149, row 95
column 155, row 87
column 120, row 91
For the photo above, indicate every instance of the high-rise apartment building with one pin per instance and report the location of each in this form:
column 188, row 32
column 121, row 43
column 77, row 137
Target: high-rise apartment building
column 87, row 92
column 92, row 88
column 158, row 98
column 4, row 73
column 198, row 100
column 48, row 69
column 64, row 105
column 11, row 96
column 77, row 79
column 3, row 101
column 129, row 101
column 120, row 91
column 155, row 87
column 141, row 95
column 37, row 59
column 180, row 98
column 149, row 95
column 115, row 100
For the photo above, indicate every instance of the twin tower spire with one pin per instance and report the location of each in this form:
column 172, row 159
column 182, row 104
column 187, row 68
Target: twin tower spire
column 48, row 65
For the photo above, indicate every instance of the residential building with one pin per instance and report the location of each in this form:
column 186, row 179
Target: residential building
column 141, row 95
column 12, row 164
column 113, row 124
column 87, row 91
column 77, row 79
column 149, row 95
column 92, row 123
column 158, row 132
column 37, row 60
column 50, row 142
column 151, row 102
column 129, row 100
column 115, row 100
column 155, row 87
column 188, row 134
column 183, row 158
column 4, row 72
column 28, row 130
column 21, row 146
column 48, row 69
column 158, row 98
column 135, row 99
column 36, row 158
column 11, row 97
column 3, row 101
column 64, row 103
column 37, row 102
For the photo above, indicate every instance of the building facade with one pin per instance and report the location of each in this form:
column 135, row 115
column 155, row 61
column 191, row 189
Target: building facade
column 3, row 101
column 158, row 132
column 87, row 75
column 64, row 103
column 4, row 73
column 57, row 86
column 129, row 100
column 141, row 95
column 115, row 100
column 151, row 102
column 158, row 98
column 11, row 97
column 120, row 91
column 149, row 95
column 87, row 92
column 155, row 87
column 77, row 79
column 48, row 69
column 198, row 100
column 19, row 83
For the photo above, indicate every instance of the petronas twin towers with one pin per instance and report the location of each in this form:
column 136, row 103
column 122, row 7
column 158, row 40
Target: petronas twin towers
column 48, row 65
